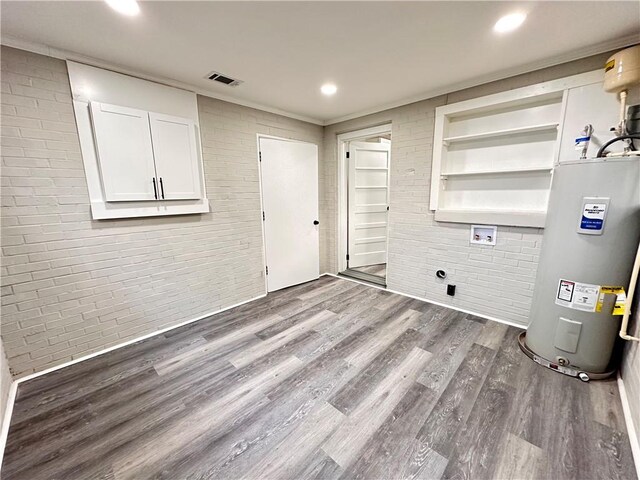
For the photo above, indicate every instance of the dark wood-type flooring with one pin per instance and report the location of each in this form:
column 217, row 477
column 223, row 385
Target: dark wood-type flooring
column 379, row 270
column 330, row 379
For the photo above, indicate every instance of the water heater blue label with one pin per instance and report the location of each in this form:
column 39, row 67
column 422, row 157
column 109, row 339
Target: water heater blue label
column 593, row 215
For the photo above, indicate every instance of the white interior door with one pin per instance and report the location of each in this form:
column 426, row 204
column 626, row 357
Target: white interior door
column 176, row 155
column 290, row 200
column 368, row 202
column 125, row 154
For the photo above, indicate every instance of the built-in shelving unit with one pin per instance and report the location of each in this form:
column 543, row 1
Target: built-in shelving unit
column 516, row 218
column 494, row 156
column 500, row 133
column 496, row 172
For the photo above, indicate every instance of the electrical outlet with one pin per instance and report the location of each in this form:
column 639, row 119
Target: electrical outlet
column 451, row 290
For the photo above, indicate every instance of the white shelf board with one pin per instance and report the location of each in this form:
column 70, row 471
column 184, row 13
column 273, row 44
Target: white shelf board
column 494, row 172
column 500, row 133
column 531, row 218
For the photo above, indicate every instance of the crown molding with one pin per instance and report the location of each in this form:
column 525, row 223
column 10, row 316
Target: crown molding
column 588, row 51
column 61, row 54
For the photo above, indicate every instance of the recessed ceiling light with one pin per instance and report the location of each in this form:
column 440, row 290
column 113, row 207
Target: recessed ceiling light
column 125, row 7
column 329, row 89
column 510, row 22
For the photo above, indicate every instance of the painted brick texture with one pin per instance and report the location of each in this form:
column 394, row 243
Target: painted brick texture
column 494, row 281
column 72, row 286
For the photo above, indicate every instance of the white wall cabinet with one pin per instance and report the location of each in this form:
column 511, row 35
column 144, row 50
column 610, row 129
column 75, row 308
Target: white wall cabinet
column 123, row 141
column 145, row 156
column 175, row 152
column 133, row 133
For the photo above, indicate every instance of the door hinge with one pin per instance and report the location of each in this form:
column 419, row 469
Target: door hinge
column 266, row 270
column 347, row 154
column 260, row 155
column 347, row 256
column 263, row 217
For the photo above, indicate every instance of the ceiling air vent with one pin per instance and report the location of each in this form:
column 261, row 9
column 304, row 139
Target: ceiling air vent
column 219, row 77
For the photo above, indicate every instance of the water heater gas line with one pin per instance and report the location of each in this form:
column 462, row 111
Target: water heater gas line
column 632, row 289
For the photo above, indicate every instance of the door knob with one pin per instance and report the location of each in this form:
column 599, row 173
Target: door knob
column 316, row 222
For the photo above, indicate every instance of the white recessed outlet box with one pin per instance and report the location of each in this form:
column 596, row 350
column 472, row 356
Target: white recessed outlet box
column 483, row 235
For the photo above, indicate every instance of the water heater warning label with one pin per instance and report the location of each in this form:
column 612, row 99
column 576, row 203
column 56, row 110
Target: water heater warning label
column 618, row 306
column 579, row 296
column 565, row 291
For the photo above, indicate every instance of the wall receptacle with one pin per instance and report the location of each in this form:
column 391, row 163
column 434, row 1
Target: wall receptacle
column 451, row 290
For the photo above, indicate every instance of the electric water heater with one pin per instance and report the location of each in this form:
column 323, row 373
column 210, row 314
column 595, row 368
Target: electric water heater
column 590, row 240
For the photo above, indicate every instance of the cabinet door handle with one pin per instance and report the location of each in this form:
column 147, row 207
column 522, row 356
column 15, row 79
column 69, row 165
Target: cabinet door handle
column 161, row 188
column 155, row 189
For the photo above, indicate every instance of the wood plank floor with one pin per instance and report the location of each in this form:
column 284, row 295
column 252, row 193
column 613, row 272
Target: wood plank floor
column 330, row 379
column 380, row 269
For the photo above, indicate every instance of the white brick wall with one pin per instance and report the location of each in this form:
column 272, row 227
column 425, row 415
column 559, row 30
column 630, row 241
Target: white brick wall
column 72, row 286
column 496, row 281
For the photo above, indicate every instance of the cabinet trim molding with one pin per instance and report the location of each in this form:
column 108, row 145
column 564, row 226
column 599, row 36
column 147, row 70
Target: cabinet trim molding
column 101, row 209
column 98, row 86
column 470, row 140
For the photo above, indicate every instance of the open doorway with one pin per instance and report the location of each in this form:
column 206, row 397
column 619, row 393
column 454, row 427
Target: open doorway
column 364, row 212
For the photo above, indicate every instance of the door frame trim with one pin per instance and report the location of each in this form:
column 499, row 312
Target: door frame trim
column 343, row 175
column 264, row 237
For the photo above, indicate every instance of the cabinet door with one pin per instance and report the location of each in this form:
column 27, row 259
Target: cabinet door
column 177, row 161
column 125, row 154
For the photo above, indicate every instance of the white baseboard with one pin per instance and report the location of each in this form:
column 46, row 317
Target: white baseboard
column 440, row 304
column 631, row 429
column 14, row 385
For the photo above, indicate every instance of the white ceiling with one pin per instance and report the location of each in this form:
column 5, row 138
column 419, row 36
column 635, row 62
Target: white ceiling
column 379, row 54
